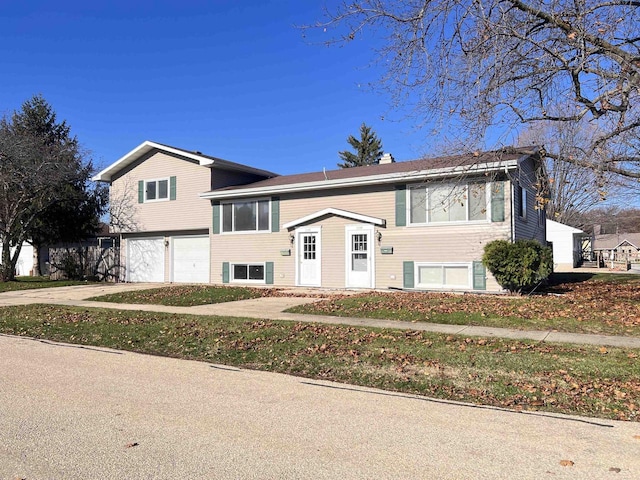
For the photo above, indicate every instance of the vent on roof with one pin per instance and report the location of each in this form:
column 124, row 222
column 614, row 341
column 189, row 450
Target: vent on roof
column 386, row 158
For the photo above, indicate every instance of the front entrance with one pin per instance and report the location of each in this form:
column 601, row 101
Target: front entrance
column 308, row 257
column 359, row 256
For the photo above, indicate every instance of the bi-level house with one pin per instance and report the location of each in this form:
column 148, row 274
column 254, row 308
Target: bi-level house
column 418, row 224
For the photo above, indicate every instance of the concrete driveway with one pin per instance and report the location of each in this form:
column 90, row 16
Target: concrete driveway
column 72, row 412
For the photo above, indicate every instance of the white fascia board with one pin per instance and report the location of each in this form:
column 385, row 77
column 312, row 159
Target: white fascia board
column 145, row 147
column 335, row 211
column 625, row 240
column 417, row 175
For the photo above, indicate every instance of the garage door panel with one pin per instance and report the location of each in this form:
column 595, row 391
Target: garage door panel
column 190, row 259
column 145, row 260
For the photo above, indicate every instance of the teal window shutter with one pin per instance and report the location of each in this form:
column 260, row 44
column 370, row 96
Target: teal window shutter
column 479, row 276
column 140, row 191
column 225, row 272
column 407, row 274
column 216, row 217
column 275, row 214
column 172, row 188
column 268, row 273
column 497, row 202
column 401, row 205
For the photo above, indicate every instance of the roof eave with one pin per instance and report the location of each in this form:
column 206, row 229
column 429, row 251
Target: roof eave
column 361, row 181
column 107, row 174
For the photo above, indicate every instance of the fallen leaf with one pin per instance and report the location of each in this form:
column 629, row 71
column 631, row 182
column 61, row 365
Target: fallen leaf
column 132, row 444
column 567, row 463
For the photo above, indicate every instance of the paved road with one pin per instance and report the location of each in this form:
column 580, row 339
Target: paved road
column 71, row 412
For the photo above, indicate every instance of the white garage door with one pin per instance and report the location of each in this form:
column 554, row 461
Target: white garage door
column 190, row 259
column 145, row 259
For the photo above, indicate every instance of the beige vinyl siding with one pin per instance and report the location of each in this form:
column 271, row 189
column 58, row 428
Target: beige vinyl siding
column 531, row 227
column 188, row 211
column 433, row 243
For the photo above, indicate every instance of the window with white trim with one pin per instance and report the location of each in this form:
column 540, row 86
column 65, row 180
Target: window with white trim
column 156, row 190
column 448, row 203
column 248, row 272
column 246, row 216
column 443, row 275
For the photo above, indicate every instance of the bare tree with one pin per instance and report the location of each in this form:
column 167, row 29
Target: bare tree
column 572, row 188
column 122, row 208
column 489, row 62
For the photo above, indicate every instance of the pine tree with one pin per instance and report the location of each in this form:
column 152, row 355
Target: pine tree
column 368, row 149
column 47, row 196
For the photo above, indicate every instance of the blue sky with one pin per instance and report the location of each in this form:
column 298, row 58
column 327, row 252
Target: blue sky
column 233, row 79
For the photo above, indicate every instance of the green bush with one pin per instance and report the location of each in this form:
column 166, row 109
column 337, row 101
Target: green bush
column 518, row 266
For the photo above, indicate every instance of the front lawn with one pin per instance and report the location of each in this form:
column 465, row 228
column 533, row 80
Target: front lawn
column 28, row 283
column 191, row 295
column 585, row 380
column 605, row 304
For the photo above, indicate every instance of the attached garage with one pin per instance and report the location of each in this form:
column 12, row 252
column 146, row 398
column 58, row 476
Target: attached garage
column 190, row 259
column 145, row 259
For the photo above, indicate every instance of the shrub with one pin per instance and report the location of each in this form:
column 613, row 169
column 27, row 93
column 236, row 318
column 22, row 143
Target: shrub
column 518, row 266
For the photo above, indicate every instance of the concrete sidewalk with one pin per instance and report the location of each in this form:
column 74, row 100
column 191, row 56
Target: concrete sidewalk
column 271, row 308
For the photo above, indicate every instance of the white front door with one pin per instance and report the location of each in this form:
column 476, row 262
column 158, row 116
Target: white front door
column 359, row 256
column 308, row 257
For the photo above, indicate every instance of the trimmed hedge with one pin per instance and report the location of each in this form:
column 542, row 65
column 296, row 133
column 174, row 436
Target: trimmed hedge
column 518, row 266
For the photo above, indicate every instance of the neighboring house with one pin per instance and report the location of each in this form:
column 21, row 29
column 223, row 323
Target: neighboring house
column 566, row 242
column 24, row 265
column 617, row 246
column 421, row 224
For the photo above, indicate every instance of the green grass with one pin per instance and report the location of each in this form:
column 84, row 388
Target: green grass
column 184, row 296
column 583, row 380
column 603, row 304
column 28, row 283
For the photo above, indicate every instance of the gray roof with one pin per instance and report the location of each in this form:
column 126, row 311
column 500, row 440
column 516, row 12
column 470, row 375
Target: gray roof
column 612, row 240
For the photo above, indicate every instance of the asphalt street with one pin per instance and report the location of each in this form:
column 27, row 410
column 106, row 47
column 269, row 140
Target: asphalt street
column 73, row 412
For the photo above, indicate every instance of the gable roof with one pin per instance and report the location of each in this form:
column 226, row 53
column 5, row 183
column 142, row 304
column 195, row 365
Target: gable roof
column 335, row 211
column 414, row 170
column 147, row 146
column 610, row 241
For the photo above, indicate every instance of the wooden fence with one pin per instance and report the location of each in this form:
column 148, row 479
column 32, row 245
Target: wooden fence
column 97, row 259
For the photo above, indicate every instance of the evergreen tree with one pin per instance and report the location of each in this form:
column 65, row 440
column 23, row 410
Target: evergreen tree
column 47, row 195
column 368, row 149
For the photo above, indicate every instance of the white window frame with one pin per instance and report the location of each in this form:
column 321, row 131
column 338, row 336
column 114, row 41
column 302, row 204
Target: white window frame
column 232, row 279
column 233, row 217
column 468, row 265
column 157, row 182
column 487, row 208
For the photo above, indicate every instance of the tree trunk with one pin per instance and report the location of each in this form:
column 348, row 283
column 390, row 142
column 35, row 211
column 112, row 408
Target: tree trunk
column 36, row 260
column 7, row 269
